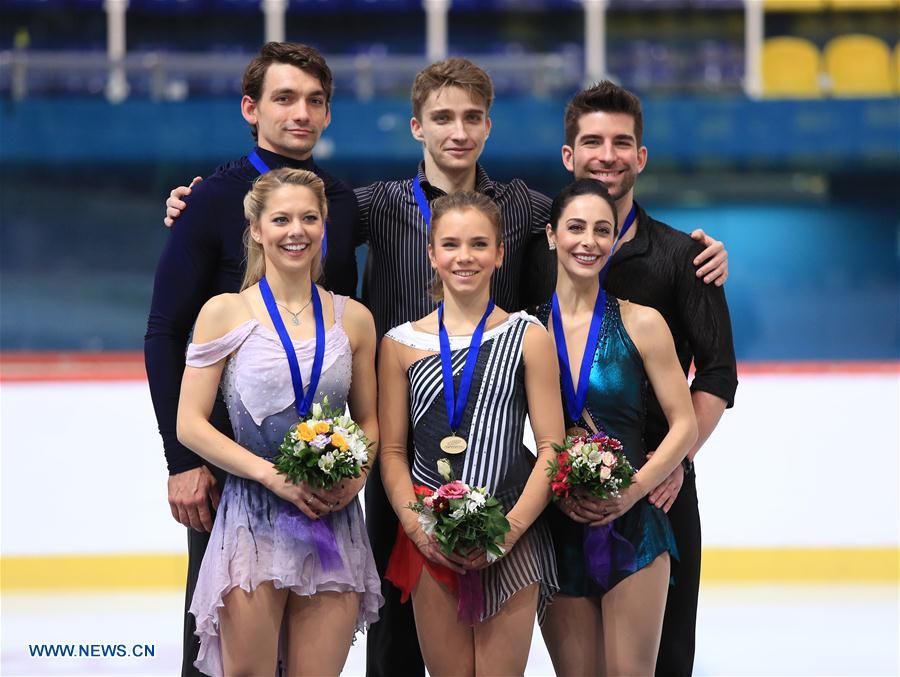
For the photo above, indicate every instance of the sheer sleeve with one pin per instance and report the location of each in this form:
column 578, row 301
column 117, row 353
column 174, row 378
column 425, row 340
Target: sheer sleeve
column 205, row 354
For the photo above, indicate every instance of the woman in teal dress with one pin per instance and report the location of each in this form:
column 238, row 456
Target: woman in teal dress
column 590, row 630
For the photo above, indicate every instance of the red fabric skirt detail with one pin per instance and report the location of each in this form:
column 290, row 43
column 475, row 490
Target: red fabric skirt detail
column 405, row 567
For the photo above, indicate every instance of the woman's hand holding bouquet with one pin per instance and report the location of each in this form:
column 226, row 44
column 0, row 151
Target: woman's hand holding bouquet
column 591, row 479
column 466, row 523
column 322, row 462
column 462, row 528
column 319, row 470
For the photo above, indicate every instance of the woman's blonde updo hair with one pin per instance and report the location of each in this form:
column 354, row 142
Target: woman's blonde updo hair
column 255, row 204
column 460, row 202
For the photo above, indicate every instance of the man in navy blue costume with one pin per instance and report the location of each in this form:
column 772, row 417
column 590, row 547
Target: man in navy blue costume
column 286, row 101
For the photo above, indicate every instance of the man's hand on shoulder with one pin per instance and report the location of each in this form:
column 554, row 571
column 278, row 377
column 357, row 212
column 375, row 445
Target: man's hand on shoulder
column 712, row 262
column 176, row 204
column 190, row 495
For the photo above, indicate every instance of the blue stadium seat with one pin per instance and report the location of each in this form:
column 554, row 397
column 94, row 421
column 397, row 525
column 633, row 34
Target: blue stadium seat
column 314, row 6
column 386, row 6
column 32, row 4
column 648, row 4
column 715, row 64
column 717, row 4
column 237, row 6
column 86, row 5
column 168, row 6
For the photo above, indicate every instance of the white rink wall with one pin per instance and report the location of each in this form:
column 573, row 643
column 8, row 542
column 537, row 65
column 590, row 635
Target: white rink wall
column 802, row 460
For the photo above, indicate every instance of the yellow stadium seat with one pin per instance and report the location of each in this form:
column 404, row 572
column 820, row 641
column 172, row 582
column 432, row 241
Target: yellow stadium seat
column 859, row 5
column 793, row 5
column 897, row 68
column 791, row 68
column 858, row 65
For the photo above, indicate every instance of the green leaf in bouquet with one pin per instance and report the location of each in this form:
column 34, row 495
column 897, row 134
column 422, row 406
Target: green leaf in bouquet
column 494, row 549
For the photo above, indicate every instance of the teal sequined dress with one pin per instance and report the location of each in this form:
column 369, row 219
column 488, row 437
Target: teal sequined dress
column 616, row 403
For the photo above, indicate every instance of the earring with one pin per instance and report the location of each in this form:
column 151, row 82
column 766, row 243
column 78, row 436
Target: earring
column 552, row 247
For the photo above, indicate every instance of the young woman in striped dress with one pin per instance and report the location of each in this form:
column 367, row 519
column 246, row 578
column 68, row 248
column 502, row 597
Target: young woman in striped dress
column 514, row 374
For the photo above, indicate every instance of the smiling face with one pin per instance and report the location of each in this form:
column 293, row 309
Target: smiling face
column 290, row 229
column 605, row 148
column 465, row 251
column 291, row 112
column 584, row 236
column 452, row 126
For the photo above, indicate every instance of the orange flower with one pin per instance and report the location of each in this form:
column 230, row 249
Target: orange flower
column 305, row 432
column 338, row 441
column 321, row 428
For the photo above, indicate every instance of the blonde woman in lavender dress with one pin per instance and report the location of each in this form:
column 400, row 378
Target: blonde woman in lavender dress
column 262, row 578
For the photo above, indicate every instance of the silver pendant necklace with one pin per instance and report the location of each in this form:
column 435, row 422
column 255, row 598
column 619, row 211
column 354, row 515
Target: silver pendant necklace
column 295, row 317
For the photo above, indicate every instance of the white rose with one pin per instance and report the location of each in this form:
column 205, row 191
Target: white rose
column 326, row 461
column 444, row 469
column 427, row 521
column 457, row 514
column 317, row 410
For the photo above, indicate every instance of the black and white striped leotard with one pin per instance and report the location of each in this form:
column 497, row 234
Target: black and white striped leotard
column 493, row 424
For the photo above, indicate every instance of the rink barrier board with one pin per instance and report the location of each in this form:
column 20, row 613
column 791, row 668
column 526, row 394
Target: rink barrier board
column 720, row 565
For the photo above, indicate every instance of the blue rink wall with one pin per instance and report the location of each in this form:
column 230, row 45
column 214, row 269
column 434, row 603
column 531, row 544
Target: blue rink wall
column 814, row 271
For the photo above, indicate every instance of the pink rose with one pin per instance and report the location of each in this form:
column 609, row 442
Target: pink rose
column 608, row 459
column 605, row 473
column 576, row 448
column 455, row 489
column 428, row 501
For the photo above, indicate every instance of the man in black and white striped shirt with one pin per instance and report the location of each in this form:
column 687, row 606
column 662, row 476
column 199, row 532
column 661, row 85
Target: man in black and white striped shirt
column 451, row 100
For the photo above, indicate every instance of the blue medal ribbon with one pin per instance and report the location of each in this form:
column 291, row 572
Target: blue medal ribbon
column 456, row 403
column 263, row 168
column 575, row 399
column 422, row 201
column 629, row 221
column 301, row 401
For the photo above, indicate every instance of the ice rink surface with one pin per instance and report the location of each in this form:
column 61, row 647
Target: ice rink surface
column 742, row 630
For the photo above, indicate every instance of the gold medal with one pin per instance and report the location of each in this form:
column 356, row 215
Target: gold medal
column 575, row 431
column 453, row 444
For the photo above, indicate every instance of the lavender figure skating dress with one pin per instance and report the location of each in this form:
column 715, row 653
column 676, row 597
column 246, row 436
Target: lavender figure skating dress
column 250, row 542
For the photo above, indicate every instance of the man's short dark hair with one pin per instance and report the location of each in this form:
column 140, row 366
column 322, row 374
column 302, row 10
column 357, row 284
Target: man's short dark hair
column 604, row 97
column 306, row 58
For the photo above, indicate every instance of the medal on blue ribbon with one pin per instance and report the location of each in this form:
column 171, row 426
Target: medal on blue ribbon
column 575, row 399
column 302, row 402
column 263, row 168
column 456, row 402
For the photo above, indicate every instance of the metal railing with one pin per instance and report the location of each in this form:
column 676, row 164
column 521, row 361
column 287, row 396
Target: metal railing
column 167, row 76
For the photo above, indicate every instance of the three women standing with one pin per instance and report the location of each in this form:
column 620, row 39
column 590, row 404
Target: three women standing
column 468, row 371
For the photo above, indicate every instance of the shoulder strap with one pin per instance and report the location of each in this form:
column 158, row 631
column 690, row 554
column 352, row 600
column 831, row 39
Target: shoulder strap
column 339, row 303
